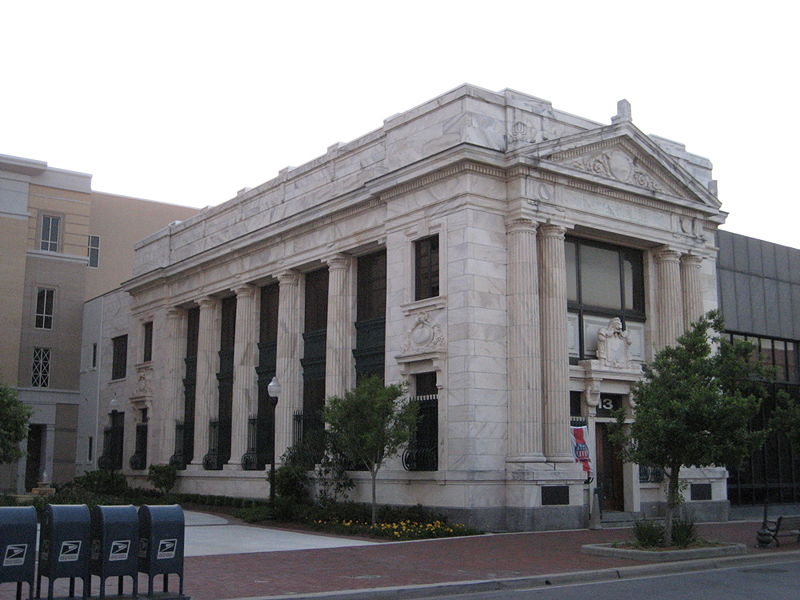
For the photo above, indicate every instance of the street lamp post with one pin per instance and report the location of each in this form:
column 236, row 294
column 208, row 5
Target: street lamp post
column 273, row 390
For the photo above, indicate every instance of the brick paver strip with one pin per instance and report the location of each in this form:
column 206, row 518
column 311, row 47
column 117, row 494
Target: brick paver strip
column 409, row 563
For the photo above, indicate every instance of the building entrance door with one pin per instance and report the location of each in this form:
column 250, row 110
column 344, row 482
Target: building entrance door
column 33, row 452
column 609, row 471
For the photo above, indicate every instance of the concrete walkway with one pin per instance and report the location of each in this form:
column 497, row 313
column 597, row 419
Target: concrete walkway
column 208, row 535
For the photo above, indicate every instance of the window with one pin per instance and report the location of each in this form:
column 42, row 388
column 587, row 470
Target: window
column 603, row 281
column 94, row 355
column 40, row 369
column 147, row 352
column 422, row 453
column 778, row 354
column 119, row 365
column 50, row 231
column 94, row 250
column 44, row 308
column 426, row 267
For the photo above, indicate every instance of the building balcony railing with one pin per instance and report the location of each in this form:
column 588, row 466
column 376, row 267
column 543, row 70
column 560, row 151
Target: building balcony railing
column 422, row 453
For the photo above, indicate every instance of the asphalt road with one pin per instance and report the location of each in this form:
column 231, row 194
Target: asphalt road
column 774, row 581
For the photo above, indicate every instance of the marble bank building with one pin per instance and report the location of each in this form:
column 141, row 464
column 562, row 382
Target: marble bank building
column 515, row 264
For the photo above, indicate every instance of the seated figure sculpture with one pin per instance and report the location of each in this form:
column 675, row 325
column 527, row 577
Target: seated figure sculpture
column 613, row 345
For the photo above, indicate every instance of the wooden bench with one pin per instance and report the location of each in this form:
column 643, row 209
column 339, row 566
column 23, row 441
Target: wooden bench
column 784, row 527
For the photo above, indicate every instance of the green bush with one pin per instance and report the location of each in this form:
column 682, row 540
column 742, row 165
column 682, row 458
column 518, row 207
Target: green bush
column 254, row 514
column 648, row 534
column 6, row 500
column 684, row 532
column 163, row 477
column 103, row 482
column 291, row 483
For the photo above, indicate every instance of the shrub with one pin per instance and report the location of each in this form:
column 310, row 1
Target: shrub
column 684, row 532
column 254, row 514
column 648, row 534
column 163, row 477
column 103, row 482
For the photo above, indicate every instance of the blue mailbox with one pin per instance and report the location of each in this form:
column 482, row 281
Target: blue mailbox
column 115, row 539
column 64, row 547
column 18, row 546
column 161, row 543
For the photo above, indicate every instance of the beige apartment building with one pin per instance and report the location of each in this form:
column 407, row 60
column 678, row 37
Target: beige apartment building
column 61, row 244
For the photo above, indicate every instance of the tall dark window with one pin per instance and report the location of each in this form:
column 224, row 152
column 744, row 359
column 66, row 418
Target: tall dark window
column 93, row 250
column 426, row 267
column 147, row 342
column 314, row 337
column 119, row 360
column 371, row 315
column 261, row 426
column 219, row 452
column 113, row 442
column 603, row 281
column 138, row 460
column 184, row 430
column 44, row 308
column 422, row 453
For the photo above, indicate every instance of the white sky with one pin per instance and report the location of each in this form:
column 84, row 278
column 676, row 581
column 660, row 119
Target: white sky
column 187, row 102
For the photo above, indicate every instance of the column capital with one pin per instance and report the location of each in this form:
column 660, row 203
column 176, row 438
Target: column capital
column 338, row 262
column 175, row 312
column 244, row 290
column 208, row 302
column 521, row 225
column 288, row 277
column 666, row 254
column 548, row 230
column 691, row 259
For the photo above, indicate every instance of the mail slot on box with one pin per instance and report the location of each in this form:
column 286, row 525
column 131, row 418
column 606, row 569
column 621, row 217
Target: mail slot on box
column 64, row 547
column 115, row 539
column 161, row 543
column 18, row 546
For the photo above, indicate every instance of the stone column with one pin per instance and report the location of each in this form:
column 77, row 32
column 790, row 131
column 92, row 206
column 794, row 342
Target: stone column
column 524, row 360
column 206, row 395
column 338, row 349
column 245, row 393
column 555, row 349
column 174, row 345
column 670, row 305
column 692, row 288
column 287, row 367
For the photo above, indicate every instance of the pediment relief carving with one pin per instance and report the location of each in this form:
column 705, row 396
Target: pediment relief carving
column 620, row 163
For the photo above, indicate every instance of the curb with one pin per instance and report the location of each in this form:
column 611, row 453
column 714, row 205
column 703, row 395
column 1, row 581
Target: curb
column 534, row 581
column 610, row 550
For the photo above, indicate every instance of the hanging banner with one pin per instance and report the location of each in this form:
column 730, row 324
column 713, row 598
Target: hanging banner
column 580, row 448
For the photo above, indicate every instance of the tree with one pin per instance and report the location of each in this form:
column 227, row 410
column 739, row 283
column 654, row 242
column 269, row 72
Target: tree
column 694, row 407
column 14, row 417
column 786, row 419
column 370, row 424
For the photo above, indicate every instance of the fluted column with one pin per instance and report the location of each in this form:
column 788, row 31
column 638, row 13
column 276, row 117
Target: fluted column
column 524, row 366
column 555, row 350
column 244, row 370
column 207, row 391
column 287, row 364
column 338, row 349
column 692, row 288
column 173, row 401
column 670, row 303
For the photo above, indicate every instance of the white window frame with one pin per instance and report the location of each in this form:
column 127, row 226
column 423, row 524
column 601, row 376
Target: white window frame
column 46, row 241
column 40, row 367
column 43, row 314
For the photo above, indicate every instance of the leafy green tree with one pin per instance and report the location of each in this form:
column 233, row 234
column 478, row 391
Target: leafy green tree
column 370, row 424
column 694, row 407
column 786, row 419
column 163, row 477
column 14, row 417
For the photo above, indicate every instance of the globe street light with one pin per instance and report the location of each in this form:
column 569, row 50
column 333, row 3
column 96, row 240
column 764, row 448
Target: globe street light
column 273, row 391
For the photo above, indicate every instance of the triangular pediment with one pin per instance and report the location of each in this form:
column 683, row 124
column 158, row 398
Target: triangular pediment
column 621, row 155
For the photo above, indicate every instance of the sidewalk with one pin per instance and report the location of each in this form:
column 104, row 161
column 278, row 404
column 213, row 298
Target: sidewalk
column 260, row 562
column 430, row 562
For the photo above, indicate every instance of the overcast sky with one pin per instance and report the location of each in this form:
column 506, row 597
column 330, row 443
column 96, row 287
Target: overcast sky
column 188, row 102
